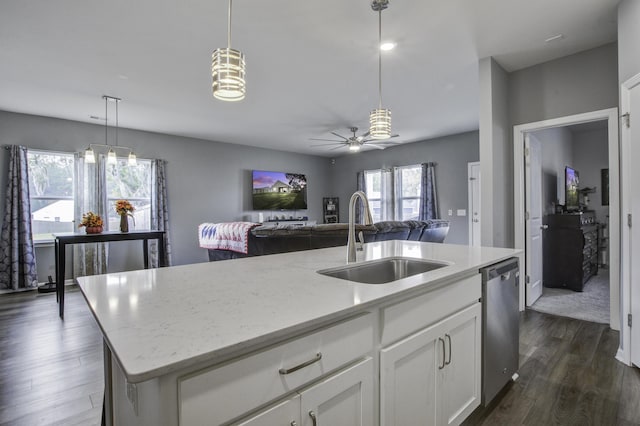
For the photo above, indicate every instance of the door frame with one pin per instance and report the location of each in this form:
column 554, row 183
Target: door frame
column 624, row 351
column 470, row 199
column 519, row 131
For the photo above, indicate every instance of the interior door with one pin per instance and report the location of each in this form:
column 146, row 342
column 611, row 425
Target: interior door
column 634, row 240
column 474, row 203
column 533, row 219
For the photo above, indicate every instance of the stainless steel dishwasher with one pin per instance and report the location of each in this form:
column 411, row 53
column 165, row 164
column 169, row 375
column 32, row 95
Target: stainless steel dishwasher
column 500, row 326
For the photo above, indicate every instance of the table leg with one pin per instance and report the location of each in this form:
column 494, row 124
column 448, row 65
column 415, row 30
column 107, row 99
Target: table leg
column 55, row 251
column 161, row 255
column 60, row 277
column 145, row 253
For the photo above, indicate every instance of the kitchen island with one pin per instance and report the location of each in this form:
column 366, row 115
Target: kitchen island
column 256, row 340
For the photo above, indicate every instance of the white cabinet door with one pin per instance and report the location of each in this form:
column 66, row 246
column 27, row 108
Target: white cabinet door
column 433, row 376
column 408, row 379
column 459, row 393
column 286, row 413
column 344, row 399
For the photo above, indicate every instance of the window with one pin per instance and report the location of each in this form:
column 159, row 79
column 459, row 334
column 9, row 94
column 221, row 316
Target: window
column 51, row 191
column 409, row 188
column 401, row 202
column 131, row 183
column 373, row 185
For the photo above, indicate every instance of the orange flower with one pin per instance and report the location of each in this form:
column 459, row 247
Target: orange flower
column 90, row 219
column 124, row 207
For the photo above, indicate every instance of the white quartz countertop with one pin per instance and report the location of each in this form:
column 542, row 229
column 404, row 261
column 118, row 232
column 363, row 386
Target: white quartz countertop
column 158, row 321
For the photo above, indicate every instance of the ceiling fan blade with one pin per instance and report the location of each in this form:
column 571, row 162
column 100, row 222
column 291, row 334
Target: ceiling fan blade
column 376, row 146
column 381, row 140
column 340, row 136
column 337, row 147
column 325, row 140
column 329, row 144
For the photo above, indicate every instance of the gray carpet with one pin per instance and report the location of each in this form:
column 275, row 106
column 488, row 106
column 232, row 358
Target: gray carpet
column 590, row 305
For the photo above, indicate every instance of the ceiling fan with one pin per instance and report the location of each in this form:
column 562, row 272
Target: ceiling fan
column 355, row 143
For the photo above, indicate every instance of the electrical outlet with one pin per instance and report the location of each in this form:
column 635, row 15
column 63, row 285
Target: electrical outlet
column 450, row 212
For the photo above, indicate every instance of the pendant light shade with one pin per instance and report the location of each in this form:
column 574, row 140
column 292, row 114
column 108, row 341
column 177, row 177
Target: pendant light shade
column 89, row 155
column 133, row 160
column 228, row 70
column 380, row 118
column 111, row 157
column 380, row 124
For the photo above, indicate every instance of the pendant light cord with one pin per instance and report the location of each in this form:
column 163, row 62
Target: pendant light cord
column 106, row 120
column 380, row 57
column 229, row 27
column 117, row 102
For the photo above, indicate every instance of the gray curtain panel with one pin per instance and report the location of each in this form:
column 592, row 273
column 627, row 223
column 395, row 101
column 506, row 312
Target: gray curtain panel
column 361, row 185
column 428, row 196
column 17, row 255
column 91, row 195
column 160, row 209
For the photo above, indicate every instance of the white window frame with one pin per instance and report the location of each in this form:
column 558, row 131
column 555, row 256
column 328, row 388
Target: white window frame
column 48, row 241
column 111, row 201
column 399, row 198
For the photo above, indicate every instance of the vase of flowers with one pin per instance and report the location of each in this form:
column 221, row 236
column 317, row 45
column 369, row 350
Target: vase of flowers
column 92, row 222
column 125, row 209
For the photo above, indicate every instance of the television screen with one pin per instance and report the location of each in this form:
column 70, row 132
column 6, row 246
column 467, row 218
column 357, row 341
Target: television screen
column 279, row 191
column 571, row 180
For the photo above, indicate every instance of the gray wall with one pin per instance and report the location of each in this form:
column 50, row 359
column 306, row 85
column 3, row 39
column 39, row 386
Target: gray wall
column 496, row 154
column 628, row 39
column 590, row 155
column 207, row 181
column 557, row 152
column 584, row 82
column 451, row 153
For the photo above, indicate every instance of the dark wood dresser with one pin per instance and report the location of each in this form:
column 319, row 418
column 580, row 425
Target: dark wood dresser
column 570, row 250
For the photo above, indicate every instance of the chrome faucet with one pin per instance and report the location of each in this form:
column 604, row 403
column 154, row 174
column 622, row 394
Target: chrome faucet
column 351, row 242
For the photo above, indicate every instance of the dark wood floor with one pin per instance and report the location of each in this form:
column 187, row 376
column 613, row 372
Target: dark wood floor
column 51, row 370
column 568, row 376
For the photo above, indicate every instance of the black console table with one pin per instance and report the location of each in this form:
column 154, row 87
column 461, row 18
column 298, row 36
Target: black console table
column 62, row 240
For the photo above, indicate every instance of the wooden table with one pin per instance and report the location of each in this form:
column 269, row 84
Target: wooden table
column 62, row 240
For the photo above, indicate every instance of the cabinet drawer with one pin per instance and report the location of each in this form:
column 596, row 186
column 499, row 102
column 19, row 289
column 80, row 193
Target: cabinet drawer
column 406, row 317
column 223, row 393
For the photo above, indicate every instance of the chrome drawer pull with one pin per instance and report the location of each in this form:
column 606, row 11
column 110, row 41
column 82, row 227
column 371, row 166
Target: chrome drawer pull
column 449, row 338
column 440, row 367
column 317, row 358
column 313, row 418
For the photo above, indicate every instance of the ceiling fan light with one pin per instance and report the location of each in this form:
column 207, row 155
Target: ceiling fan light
column 380, row 124
column 228, row 72
column 354, row 146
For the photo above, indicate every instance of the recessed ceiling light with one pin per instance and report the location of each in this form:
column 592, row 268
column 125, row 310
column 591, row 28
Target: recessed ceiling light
column 554, row 38
column 389, row 45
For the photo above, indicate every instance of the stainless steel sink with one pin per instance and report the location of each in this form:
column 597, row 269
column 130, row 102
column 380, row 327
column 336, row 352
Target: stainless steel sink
column 383, row 271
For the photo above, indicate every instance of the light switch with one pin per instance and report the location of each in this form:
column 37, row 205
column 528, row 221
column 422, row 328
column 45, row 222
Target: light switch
column 462, row 212
column 450, row 212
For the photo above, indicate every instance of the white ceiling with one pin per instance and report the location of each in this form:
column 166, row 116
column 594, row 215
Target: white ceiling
column 311, row 66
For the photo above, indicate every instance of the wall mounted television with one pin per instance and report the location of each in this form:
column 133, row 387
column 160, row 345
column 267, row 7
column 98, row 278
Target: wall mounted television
column 571, row 182
column 279, row 191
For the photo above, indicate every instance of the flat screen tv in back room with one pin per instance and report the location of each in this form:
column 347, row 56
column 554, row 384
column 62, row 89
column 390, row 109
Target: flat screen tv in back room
column 279, row 191
column 571, row 181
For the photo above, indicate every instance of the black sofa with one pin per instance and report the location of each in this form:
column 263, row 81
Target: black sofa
column 267, row 240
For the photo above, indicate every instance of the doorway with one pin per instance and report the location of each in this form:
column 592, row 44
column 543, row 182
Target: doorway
column 520, row 212
column 568, row 252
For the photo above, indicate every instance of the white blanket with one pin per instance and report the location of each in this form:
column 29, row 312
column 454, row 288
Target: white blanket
column 232, row 236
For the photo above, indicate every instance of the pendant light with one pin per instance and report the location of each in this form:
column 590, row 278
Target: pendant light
column 89, row 154
column 380, row 118
column 228, row 70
